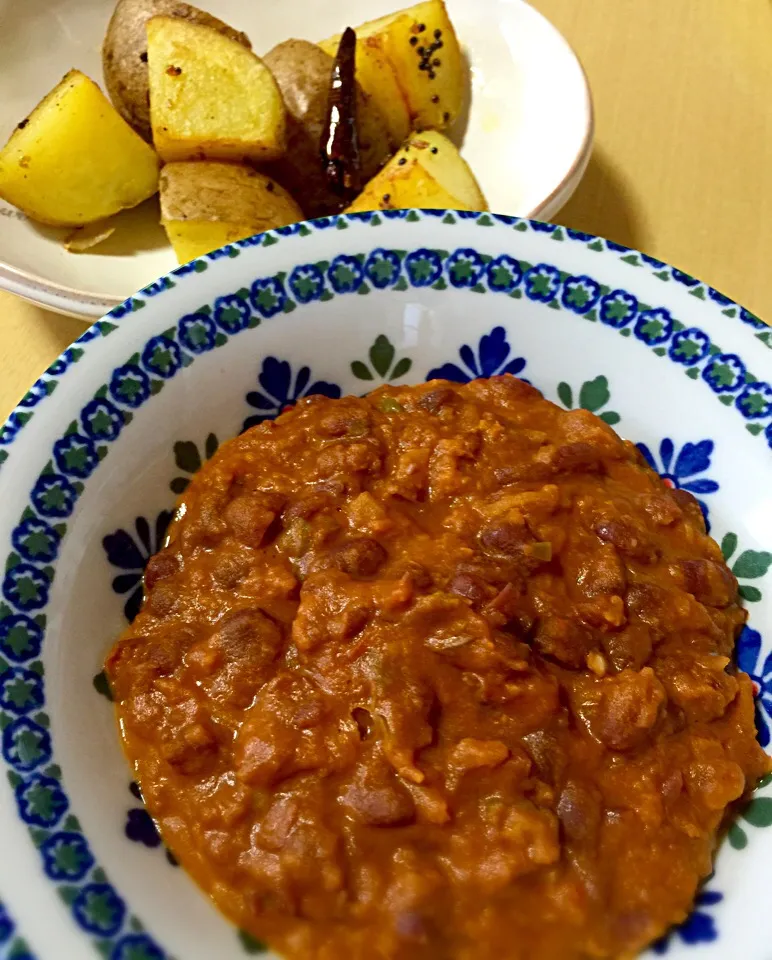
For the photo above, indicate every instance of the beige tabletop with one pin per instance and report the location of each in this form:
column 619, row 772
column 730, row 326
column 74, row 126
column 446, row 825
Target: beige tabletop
column 682, row 167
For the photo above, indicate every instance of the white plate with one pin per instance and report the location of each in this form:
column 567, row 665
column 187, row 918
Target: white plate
column 239, row 334
column 528, row 138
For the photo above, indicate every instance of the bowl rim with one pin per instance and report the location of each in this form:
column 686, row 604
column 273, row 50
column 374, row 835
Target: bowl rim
column 731, row 309
column 70, row 301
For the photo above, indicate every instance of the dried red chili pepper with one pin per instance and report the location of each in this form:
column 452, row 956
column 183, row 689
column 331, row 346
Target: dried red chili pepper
column 340, row 141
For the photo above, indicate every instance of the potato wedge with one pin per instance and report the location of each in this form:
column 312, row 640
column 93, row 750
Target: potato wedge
column 124, row 53
column 427, row 172
column 205, row 205
column 440, row 158
column 75, row 160
column 378, row 80
column 210, row 97
column 422, row 47
column 303, row 72
column 407, row 186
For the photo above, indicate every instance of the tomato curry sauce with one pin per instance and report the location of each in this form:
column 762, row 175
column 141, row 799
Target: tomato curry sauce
column 442, row 672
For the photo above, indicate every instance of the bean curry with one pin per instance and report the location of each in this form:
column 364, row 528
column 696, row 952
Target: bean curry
column 441, row 672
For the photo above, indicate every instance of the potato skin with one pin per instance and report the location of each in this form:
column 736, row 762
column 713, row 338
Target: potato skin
column 303, row 71
column 204, row 190
column 124, row 53
column 205, row 205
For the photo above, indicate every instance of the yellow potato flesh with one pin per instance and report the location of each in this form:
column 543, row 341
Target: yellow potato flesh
column 191, row 239
column 407, row 186
column 75, row 160
column 210, row 97
column 422, row 47
column 440, row 157
column 427, row 172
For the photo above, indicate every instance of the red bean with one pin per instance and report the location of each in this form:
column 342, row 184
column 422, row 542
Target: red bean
column 470, row 586
column 579, row 812
column 377, row 798
column 505, row 537
column 711, row 583
column 690, row 507
column 627, row 539
column 437, row 398
column 160, row 567
column 360, row 557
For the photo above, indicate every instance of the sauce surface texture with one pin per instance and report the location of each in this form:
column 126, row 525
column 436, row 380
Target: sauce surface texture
column 442, row 672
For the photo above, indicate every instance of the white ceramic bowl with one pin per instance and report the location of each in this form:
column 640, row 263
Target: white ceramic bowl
column 92, row 457
column 528, row 137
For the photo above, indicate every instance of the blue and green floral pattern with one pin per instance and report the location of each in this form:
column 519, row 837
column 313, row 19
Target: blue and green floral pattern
column 12, row 946
column 383, row 268
column 491, row 357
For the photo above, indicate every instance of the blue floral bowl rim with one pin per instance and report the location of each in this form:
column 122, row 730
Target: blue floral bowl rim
column 655, row 267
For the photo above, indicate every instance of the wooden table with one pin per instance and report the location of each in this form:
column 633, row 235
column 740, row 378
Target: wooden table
column 682, row 167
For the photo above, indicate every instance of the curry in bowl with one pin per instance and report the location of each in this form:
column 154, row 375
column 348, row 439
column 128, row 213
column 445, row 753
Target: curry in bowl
column 441, row 672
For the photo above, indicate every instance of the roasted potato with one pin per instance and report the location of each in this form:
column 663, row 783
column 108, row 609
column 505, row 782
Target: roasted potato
column 427, row 172
column 124, row 53
column 206, row 205
column 378, row 80
column 422, row 47
column 75, row 160
column 303, row 71
column 210, row 97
